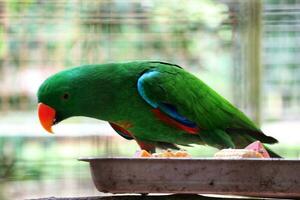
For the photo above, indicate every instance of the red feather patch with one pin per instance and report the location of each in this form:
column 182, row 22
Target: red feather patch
column 146, row 146
column 168, row 120
column 121, row 130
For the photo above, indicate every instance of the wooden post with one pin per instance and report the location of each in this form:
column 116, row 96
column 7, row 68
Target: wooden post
column 248, row 68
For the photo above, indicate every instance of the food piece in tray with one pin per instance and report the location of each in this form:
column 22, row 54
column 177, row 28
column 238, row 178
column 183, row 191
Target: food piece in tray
column 172, row 154
column 143, row 154
column 258, row 147
column 181, row 154
column 253, row 150
column 164, row 154
column 238, row 153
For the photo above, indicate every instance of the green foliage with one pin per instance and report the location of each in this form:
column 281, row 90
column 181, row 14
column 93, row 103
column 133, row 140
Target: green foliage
column 17, row 6
column 3, row 45
column 47, row 34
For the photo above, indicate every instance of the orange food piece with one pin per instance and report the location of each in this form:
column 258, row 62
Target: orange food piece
column 168, row 154
column 144, row 153
column 181, row 154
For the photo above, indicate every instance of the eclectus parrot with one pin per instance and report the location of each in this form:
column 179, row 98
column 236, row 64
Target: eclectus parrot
column 157, row 104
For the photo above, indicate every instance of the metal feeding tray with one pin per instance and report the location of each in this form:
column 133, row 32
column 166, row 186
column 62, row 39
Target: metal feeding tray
column 248, row 177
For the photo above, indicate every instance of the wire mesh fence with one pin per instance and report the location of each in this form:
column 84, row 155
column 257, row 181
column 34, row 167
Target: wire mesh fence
column 281, row 59
column 41, row 37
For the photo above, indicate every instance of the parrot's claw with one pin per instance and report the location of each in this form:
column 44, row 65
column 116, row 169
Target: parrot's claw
column 164, row 154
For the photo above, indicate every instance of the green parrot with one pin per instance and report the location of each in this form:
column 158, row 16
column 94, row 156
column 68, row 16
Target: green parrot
column 158, row 104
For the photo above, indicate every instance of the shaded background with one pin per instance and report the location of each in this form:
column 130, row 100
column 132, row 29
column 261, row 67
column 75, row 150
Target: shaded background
column 246, row 50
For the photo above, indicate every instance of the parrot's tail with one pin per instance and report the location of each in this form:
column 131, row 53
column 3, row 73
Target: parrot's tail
column 272, row 153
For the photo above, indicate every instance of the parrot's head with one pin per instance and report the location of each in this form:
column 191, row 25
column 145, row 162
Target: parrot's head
column 66, row 94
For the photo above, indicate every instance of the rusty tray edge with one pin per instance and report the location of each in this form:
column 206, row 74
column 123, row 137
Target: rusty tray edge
column 217, row 176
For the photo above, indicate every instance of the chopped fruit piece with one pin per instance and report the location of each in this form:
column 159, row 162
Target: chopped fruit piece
column 181, row 154
column 170, row 154
column 164, row 154
column 237, row 153
column 258, row 147
column 143, row 154
column 156, row 155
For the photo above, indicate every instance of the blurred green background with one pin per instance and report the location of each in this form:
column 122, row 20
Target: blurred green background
column 246, row 50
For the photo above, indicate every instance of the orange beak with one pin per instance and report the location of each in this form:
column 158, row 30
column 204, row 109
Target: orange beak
column 46, row 116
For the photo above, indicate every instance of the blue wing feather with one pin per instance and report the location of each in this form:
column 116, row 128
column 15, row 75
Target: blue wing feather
column 141, row 90
column 172, row 112
column 167, row 108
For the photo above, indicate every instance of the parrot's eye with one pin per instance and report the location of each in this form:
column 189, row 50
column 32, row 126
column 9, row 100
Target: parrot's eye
column 66, row 96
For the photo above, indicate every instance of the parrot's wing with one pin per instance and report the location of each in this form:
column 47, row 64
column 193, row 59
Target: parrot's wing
column 190, row 102
column 166, row 112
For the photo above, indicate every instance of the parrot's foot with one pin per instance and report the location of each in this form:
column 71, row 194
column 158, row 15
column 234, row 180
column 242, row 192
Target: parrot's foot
column 164, row 154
